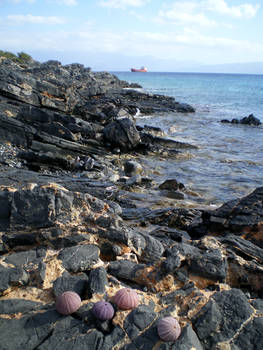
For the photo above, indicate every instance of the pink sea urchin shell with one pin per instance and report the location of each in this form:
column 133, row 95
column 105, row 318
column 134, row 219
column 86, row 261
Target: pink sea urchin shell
column 168, row 329
column 67, row 303
column 126, row 299
column 103, row 310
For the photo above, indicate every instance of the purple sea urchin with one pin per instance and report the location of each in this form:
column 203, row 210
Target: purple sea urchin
column 103, row 310
column 67, row 303
column 168, row 329
column 126, row 299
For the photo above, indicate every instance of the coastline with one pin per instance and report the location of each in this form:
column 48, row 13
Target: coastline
column 72, row 217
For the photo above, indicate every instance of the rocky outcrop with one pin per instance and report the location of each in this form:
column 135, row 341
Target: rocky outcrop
column 73, row 217
column 243, row 217
column 249, row 120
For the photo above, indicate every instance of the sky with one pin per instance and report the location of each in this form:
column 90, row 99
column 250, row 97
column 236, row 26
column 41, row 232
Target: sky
column 115, row 35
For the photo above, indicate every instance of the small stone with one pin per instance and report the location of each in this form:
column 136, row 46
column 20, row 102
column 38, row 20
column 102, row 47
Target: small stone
column 132, row 168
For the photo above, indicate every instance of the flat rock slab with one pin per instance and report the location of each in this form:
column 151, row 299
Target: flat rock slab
column 79, row 258
column 222, row 317
column 27, row 332
column 250, row 336
column 14, row 306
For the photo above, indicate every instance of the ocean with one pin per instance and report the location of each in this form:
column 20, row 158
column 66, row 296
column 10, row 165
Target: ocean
column 229, row 160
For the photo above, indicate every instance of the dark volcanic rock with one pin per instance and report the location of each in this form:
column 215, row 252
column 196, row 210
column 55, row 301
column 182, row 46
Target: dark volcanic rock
column 171, row 184
column 98, row 281
column 250, row 337
column 125, row 269
column 138, row 320
column 153, row 249
column 179, row 218
column 14, row 306
column 13, row 240
column 70, row 333
column 114, row 338
column 79, row 258
column 221, row 318
column 122, row 133
column 258, row 305
column 132, row 168
column 23, row 259
column 27, row 332
column 188, row 340
column 67, row 282
column 241, row 216
column 243, row 247
column 10, row 277
column 249, row 120
column 122, row 234
column 209, row 264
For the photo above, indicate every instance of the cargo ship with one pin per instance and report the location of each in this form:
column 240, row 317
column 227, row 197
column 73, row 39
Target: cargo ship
column 142, row 69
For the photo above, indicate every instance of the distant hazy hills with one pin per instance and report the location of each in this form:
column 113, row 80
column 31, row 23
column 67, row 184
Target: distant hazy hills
column 246, row 68
column 121, row 62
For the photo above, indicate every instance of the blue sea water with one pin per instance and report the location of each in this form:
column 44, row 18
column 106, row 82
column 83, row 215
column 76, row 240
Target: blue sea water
column 229, row 160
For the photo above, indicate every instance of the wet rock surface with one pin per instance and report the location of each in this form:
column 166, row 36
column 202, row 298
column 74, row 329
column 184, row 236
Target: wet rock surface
column 249, row 120
column 80, row 212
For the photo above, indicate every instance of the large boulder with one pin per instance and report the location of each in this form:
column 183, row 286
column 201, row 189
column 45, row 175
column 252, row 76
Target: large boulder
column 122, row 133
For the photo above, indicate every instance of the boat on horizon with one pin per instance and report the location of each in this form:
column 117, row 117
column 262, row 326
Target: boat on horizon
column 142, row 69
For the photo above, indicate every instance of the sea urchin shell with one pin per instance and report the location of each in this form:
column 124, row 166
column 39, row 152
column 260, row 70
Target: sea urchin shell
column 103, row 310
column 126, row 299
column 168, row 329
column 67, row 303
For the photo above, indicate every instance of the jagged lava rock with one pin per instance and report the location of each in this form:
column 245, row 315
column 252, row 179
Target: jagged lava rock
column 221, row 318
column 98, row 281
column 77, row 284
column 243, row 217
column 79, row 258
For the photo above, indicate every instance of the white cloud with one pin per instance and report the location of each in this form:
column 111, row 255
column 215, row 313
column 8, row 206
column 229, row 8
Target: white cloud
column 22, row 19
column 64, row 2
column 122, row 3
column 240, row 11
column 197, row 12
column 18, row 1
column 184, row 13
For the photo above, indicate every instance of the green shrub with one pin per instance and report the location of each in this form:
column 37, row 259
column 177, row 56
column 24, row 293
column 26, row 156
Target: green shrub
column 21, row 57
column 24, row 57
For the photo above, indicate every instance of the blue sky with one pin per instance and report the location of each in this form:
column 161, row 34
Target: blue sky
column 118, row 34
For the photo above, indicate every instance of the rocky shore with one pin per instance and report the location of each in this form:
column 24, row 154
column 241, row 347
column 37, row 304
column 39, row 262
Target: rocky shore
column 73, row 217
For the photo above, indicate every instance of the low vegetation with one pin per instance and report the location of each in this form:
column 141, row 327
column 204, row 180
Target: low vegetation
column 20, row 57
